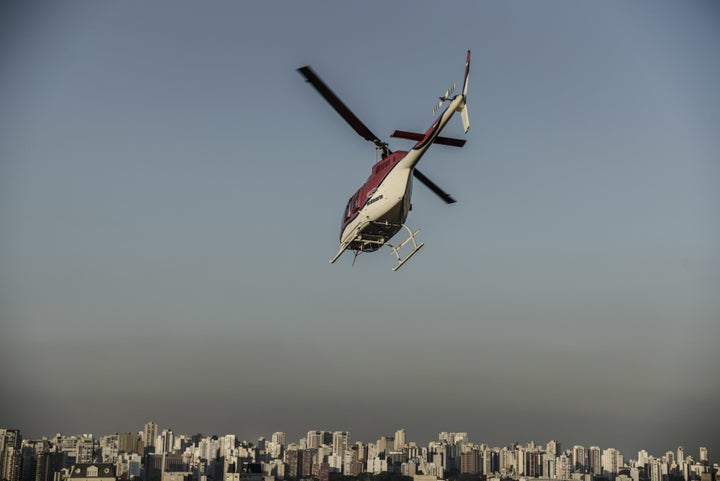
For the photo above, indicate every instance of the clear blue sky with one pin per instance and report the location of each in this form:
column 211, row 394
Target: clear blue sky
column 171, row 192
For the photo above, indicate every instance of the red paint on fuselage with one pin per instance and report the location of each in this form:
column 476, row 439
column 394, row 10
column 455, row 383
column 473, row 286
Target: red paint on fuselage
column 379, row 171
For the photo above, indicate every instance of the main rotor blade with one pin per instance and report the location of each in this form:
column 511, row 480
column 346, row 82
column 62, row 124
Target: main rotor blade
column 339, row 106
column 431, row 185
column 404, row 134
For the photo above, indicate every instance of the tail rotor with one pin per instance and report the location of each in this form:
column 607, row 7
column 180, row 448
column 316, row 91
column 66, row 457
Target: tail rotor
column 446, row 96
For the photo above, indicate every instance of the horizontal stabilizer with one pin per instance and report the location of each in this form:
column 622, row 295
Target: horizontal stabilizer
column 401, row 134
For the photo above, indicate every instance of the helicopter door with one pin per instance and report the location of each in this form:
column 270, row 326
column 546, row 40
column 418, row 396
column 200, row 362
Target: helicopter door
column 348, row 209
column 352, row 205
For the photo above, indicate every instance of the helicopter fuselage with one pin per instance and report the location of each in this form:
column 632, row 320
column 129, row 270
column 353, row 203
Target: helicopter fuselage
column 379, row 208
column 377, row 211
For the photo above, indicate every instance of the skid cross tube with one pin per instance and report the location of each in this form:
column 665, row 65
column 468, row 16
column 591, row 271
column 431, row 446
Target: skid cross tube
column 396, row 249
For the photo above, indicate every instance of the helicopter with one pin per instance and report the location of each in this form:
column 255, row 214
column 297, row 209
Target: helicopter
column 377, row 211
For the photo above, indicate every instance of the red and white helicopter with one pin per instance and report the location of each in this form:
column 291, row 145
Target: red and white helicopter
column 377, row 211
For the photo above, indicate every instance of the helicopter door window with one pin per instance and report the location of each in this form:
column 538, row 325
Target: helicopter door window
column 350, row 206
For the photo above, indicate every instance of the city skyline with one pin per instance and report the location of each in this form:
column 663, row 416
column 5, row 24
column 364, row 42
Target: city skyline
column 326, row 437
column 692, row 450
column 155, row 453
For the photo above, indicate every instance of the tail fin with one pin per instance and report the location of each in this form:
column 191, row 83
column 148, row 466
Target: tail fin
column 465, row 118
column 463, row 108
column 467, row 73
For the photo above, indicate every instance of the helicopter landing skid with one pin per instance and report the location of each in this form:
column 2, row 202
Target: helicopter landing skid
column 374, row 241
column 343, row 246
column 396, row 249
column 346, row 244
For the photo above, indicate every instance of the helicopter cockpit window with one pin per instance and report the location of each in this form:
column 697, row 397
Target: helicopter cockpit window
column 352, row 204
column 350, row 207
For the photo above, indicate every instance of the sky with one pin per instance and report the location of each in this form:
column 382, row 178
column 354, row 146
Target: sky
column 171, row 192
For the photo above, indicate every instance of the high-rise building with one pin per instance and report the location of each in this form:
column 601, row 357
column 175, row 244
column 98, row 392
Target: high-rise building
column 158, row 464
column 471, row 462
column 438, row 454
column 351, row 465
column 128, row 466
column 399, row 440
column 110, row 448
column 227, row 445
column 376, row 465
column 612, row 461
column 10, row 454
column 324, row 453
column 340, row 443
column 305, row 466
column 276, row 445
column 165, row 442
column 507, row 461
column 549, row 467
column 409, row 469
column 10, row 437
column 385, row 444
column 655, row 471
column 48, row 464
column 31, row 450
column 553, row 448
column 279, row 438
column 324, row 472
column 68, row 446
column 704, row 456
column 362, row 451
column 491, row 461
column 520, row 457
column 453, row 438
column 579, row 458
column 292, row 459
column 595, row 460
column 313, row 439
column 10, row 463
column 534, row 463
column 128, row 442
column 563, row 467
column 85, row 449
column 461, row 438
column 150, row 434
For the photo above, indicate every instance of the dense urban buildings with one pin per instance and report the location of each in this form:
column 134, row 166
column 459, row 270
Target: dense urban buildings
column 151, row 454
